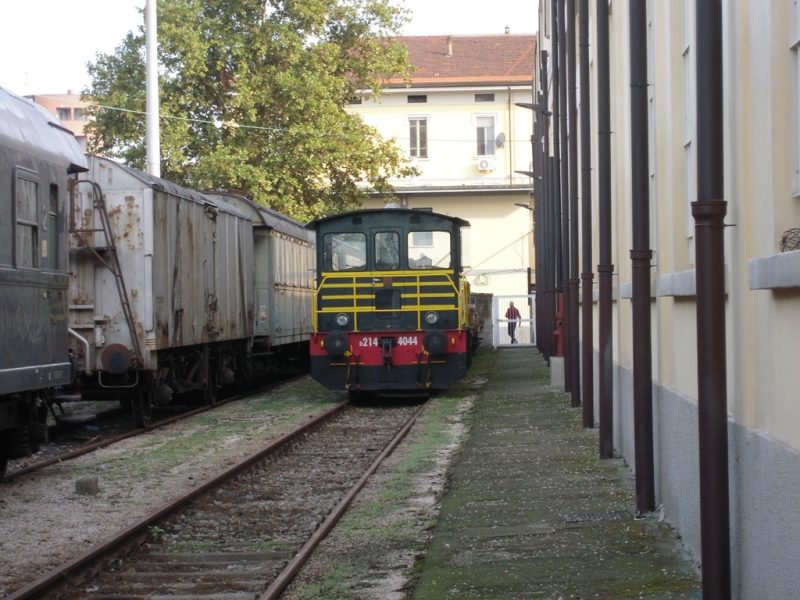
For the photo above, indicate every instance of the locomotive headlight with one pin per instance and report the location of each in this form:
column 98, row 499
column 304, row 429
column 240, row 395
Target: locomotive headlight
column 342, row 319
column 431, row 317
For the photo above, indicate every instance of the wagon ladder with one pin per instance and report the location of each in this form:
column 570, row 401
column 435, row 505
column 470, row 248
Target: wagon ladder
column 113, row 265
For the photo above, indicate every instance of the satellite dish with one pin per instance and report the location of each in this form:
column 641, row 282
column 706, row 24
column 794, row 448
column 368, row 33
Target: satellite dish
column 500, row 139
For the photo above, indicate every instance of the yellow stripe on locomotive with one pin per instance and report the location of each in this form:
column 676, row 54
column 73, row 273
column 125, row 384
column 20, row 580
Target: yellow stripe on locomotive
column 390, row 303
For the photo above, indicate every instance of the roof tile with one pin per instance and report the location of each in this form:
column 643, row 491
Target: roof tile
column 457, row 60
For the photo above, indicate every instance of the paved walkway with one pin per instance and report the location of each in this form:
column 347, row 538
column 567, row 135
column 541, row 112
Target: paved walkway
column 532, row 513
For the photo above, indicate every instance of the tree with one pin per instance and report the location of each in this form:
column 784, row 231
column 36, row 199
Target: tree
column 254, row 96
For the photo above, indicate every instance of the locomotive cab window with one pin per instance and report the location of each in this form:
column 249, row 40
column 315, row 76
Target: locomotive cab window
column 26, row 242
column 387, row 251
column 345, row 251
column 433, row 253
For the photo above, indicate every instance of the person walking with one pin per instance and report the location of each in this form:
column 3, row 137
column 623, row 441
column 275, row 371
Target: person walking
column 513, row 316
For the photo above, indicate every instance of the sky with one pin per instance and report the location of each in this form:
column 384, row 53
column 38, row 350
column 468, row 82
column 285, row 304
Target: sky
column 45, row 44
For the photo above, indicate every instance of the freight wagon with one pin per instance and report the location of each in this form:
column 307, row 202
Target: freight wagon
column 161, row 295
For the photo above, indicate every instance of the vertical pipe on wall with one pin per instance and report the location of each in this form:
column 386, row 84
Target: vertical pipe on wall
column 709, row 214
column 587, row 324
column 605, row 268
column 558, row 216
column 574, row 317
column 641, row 255
column 565, row 216
column 545, row 217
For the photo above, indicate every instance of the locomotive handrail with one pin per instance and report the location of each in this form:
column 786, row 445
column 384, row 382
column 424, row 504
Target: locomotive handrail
column 418, row 281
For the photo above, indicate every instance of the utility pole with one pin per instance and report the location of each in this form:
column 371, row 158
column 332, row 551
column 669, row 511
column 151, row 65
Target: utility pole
column 153, row 133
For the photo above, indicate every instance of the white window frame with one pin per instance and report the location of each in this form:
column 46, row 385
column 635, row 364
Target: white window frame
column 495, row 120
column 411, row 141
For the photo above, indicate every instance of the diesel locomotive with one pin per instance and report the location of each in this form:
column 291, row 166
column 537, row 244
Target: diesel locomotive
column 391, row 306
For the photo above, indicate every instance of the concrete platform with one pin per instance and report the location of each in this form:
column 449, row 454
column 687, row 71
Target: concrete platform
column 532, row 513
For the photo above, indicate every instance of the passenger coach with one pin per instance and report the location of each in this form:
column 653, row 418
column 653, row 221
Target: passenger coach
column 390, row 305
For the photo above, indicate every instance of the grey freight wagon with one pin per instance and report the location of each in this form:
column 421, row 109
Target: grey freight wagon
column 284, row 273
column 161, row 297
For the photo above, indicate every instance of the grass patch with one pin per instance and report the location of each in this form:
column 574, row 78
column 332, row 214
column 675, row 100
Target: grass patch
column 334, row 585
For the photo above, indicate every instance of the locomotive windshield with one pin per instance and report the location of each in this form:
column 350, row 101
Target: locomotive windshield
column 345, row 251
column 429, row 250
column 387, row 250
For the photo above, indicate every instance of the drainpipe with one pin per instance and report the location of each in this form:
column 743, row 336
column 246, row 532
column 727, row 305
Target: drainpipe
column 587, row 325
column 605, row 269
column 574, row 310
column 510, row 145
column 545, row 217
column 563, row 113
column 709, row 214
column 558, row 216
column 640, row 258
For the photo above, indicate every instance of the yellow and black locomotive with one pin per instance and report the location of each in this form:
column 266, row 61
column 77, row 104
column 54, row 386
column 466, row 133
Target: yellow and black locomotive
column 391, row 304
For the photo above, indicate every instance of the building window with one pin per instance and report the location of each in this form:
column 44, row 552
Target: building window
column 418, row 99
column 422, row 238
column 64, row 114
column 794, row 40
column 484, row 97
column 418, row 136
column 79, row 114
column 355, row 100
column 27, row 232
column 485, row 129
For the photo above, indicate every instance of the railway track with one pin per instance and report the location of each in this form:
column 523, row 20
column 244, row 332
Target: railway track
column 244, row 533
column 70, row 452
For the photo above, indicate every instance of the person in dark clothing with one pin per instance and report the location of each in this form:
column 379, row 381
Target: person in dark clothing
column 513, row 316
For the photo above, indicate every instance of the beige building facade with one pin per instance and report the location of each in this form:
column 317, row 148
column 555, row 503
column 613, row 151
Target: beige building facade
column 69, row 109
column 762, row 188
column 460, row 125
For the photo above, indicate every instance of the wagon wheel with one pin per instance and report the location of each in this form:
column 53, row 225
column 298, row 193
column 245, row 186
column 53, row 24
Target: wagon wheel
column 142, row 402
column 211, row 391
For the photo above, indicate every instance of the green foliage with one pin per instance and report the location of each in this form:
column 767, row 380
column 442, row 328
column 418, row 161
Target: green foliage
column 254, row 97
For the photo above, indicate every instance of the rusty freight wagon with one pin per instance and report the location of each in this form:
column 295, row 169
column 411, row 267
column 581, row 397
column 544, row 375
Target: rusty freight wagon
column 161, row 295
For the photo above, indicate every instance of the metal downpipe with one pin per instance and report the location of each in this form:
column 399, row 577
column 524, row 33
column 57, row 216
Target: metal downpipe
column 641, row 255
column 709, row 214
column 605, row 268
column 564, row 166
column 587, row 317
column 574, row 306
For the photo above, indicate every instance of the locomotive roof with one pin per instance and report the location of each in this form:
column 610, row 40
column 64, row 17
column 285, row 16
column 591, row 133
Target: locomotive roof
column 262, row 215
column 369, row 212
column 171, row 188
column 28, row 127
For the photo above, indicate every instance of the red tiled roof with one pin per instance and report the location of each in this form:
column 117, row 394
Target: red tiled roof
column 460, row 59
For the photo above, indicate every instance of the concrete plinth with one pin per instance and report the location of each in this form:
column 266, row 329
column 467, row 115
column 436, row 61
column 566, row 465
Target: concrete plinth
column 557, row 371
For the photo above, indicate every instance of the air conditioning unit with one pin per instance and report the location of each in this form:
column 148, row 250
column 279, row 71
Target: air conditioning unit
column 485, row 164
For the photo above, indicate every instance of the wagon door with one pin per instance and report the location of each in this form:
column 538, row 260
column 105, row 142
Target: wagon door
column 211, row 271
